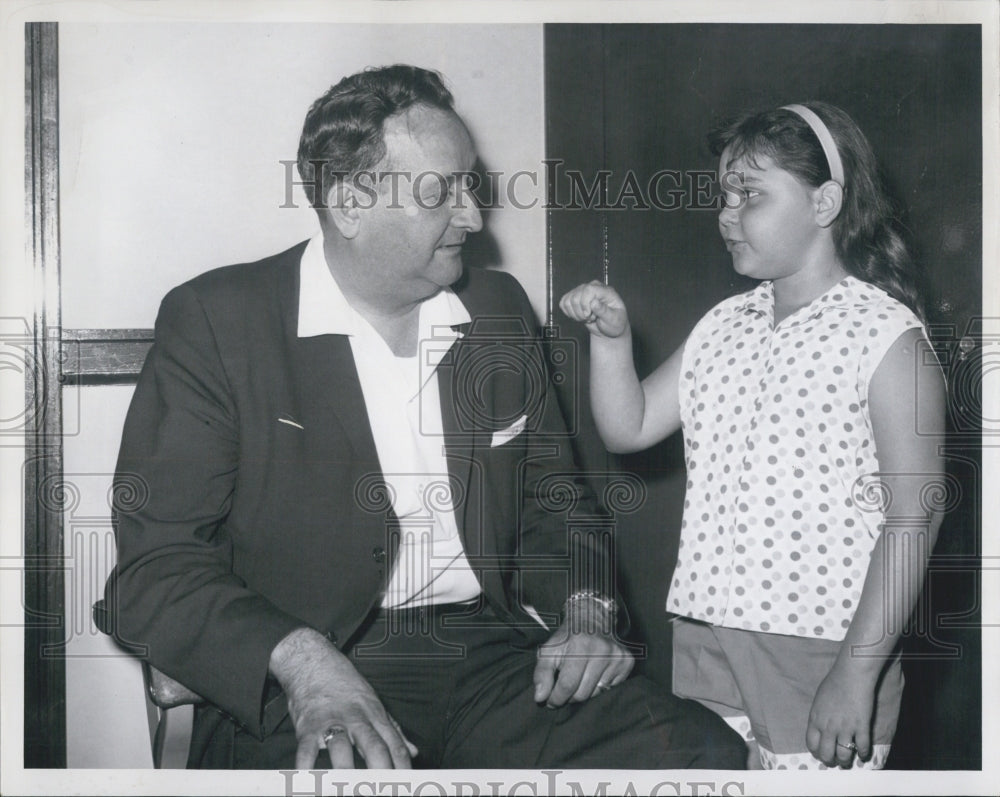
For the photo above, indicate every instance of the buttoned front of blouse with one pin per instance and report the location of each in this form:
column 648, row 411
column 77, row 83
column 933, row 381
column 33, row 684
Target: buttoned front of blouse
column 781, row 512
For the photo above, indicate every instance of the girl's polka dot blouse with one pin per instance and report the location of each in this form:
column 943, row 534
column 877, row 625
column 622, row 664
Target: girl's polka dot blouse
column 780, row 515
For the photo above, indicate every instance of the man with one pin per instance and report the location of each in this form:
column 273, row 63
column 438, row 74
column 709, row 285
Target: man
column 347, row 539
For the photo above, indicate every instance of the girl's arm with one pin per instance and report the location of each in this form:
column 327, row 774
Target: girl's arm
column 907, row 405
column 629, row 415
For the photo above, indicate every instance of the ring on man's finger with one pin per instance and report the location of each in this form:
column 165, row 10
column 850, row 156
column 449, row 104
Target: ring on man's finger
column 849, row 746
column 331, row 732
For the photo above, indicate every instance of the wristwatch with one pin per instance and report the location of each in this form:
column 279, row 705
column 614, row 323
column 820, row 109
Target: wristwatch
column 609, row 605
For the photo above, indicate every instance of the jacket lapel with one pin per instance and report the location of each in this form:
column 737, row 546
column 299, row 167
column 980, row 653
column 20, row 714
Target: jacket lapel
column 467, row 445
column 460, row 440
column 327, row 379
column 334, row 388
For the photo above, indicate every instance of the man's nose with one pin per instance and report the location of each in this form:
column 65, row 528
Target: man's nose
column 467, row 215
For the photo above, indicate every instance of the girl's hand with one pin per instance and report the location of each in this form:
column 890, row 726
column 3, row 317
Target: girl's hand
column 841, row 718
column 598, row 306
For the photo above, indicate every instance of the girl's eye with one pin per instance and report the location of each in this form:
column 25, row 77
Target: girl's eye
column 736, row 197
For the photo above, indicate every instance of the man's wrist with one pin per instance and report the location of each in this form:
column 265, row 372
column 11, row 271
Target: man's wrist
column 294, row 652
column 589, row 611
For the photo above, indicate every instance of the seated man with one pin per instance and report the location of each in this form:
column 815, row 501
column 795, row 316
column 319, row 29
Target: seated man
column 346, row 517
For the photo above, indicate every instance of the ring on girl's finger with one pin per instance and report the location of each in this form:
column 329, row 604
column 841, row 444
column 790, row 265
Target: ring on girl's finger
column 849, row 746
column 603, row 687
column 331, row 732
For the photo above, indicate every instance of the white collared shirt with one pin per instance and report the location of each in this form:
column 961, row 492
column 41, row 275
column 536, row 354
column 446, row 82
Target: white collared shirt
column 780, row 516
column 404, row 410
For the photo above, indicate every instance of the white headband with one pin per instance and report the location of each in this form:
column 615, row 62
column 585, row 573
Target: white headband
column 825, row 140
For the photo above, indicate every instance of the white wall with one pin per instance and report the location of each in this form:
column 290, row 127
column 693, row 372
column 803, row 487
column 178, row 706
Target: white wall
column 171, row 137
column 105, row 711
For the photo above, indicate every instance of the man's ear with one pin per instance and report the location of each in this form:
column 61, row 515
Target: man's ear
column 828, row 199
column 343, row 209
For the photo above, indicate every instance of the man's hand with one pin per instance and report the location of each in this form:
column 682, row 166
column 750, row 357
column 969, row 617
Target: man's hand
column 327, row 697
column 598, row 306
column 581, row 658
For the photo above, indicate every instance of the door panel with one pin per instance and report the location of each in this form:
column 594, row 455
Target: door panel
column 636, row 99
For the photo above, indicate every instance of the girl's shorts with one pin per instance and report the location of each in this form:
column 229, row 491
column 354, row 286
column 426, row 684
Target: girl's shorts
column 763, row 685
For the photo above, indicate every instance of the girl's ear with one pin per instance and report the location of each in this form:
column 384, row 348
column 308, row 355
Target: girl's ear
column 829, row 199
column 343, row 210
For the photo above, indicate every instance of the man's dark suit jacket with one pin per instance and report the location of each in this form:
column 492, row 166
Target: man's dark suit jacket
column 235, row 527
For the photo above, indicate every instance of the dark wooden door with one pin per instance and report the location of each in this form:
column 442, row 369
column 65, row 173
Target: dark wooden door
column 626, row 102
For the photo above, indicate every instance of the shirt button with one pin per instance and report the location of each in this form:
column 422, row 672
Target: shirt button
column 378, row 554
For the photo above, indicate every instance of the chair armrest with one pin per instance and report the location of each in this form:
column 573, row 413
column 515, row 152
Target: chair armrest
column 163, row 690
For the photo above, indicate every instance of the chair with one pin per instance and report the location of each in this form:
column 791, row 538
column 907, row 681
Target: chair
column 169, row 705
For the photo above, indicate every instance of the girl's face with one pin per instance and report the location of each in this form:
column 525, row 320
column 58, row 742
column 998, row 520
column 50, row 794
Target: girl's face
column 769, row 218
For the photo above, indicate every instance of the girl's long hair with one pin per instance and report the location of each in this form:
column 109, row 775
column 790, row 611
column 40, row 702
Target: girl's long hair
column 867, row 231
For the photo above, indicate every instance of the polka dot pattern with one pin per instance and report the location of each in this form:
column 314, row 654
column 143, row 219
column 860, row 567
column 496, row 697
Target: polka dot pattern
column 777, row 439
column 806, row 760
column 741, row 724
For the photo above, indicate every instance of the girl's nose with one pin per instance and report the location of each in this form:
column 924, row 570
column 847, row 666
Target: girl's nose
column 728, row 215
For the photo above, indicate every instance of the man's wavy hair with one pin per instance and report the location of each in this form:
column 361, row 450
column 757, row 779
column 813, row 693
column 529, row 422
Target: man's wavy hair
column 343, row 130
column 867, row 232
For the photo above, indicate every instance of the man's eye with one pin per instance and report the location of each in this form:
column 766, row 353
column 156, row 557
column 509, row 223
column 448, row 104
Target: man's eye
column 432, row 199
column 460, row 185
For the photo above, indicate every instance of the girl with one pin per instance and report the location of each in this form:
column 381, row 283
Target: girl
column 811, row 421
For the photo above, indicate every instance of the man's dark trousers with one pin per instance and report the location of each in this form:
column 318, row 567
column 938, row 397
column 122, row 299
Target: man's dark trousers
column 459, row 682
